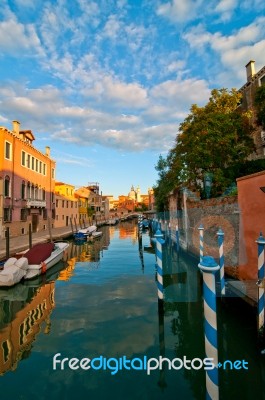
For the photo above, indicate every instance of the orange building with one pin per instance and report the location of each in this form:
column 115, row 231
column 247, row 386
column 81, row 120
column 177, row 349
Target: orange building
column 27, row 178
column 251, row 201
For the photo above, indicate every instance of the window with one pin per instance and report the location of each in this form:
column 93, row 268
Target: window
column 53, row 173
column 262, row 80
column 28, row 161
column 56, row 203
column 7, row 186
column 23, row 190
column 45, row 213
column 43, row 194
column 32, row 163
column 44, row 169
column 23, row 214
column 40, row 170
column 62, row 203
column 7, row 215
column 23, row 158
column 37, row 166
column 8, row 150
column 28, row 190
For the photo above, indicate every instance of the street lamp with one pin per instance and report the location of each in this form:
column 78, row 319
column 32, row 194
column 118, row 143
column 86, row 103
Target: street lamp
column 208, row 179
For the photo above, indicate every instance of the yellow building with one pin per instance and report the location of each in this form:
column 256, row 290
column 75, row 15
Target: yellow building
column 82, row 195
column 66, row 205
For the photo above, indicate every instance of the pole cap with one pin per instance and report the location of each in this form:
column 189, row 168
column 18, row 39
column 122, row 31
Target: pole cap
column 220, row 232
column 158, row 234
column 261, row 239
column 208, row 264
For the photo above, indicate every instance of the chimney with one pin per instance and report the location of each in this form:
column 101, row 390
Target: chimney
column 48, row 151
column 250, row 70
column 16, row 126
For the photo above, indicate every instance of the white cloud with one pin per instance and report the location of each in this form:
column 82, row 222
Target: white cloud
column 180, row 11
column 17, row 39
column 182, row 93
column 226, row 9
column 232, row 50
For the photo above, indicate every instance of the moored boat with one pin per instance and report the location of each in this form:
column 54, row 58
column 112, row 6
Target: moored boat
column 32, row 262
column 43, row 256
column 85, row 232
column 96, row 234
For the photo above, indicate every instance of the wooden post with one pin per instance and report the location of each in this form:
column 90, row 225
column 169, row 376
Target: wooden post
column 75, row 224
column 50, row 229
column 72, row 228
column 30, row 236
column 7, row 242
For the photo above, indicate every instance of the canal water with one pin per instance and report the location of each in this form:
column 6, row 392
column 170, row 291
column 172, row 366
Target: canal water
column 101, row 305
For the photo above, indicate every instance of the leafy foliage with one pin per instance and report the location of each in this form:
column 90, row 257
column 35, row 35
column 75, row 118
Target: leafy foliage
column 260, row 105
column 211, row 139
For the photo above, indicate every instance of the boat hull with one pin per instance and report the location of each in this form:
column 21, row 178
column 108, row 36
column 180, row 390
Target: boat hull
column 56, row 256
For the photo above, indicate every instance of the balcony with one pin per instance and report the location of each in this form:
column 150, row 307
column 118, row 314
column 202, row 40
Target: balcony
column 36, row 203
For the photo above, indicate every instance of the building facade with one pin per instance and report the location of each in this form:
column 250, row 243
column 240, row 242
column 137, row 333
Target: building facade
column 248, row 91
column 27, row 178
column 66, row 204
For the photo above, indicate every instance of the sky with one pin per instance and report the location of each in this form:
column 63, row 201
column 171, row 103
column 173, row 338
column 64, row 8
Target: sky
column 106, row 83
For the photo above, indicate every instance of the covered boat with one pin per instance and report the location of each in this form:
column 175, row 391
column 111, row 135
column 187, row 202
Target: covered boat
column 13, row 271
column 85, row 232
column 43, row 256
column 32, row 262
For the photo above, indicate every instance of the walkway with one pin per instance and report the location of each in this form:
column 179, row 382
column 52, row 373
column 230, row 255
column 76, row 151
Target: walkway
column 20, row 243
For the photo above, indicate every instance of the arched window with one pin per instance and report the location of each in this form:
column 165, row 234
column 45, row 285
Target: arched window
column 28, row 191
column 7, row 186
column 23, row 190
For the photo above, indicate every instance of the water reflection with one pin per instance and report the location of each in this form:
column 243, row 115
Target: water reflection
column 23, row 309
column 112, row 310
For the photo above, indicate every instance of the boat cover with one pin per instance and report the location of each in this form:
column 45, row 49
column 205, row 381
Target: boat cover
column 39, row 253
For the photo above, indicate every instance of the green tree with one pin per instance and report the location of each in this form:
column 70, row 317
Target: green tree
column 165, row 183
column 211, row 139
column 260, row 105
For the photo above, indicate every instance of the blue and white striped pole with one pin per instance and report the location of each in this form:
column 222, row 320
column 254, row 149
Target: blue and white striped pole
column 177, row 235
column 159, row 263
column 261, row 244
column 201, row 230
column 220, row 235
column 140, row 222
column 209, row 267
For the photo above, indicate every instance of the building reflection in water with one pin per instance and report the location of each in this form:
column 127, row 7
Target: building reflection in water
column 23, row 310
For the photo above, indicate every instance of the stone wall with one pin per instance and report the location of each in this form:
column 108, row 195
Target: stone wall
column 214, row 214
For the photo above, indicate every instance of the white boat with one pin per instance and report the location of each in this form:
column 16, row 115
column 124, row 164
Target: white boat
column 88, row 231
column 32, row 262
column 41, row 257
column 96, row 234
column 14, row 270
column 112, row 221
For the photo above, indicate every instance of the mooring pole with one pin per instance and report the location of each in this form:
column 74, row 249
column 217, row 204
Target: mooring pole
column 159, row 264
column 261, row 283
column 30, row 236
column 177, row 235
column 220, row 235
column 7, row 242
column 201, row 230
column 209, row 267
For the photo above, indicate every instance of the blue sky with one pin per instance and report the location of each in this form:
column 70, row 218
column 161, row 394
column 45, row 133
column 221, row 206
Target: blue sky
column 106, row 83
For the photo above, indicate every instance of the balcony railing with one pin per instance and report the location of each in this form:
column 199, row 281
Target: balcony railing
column 36, row 203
